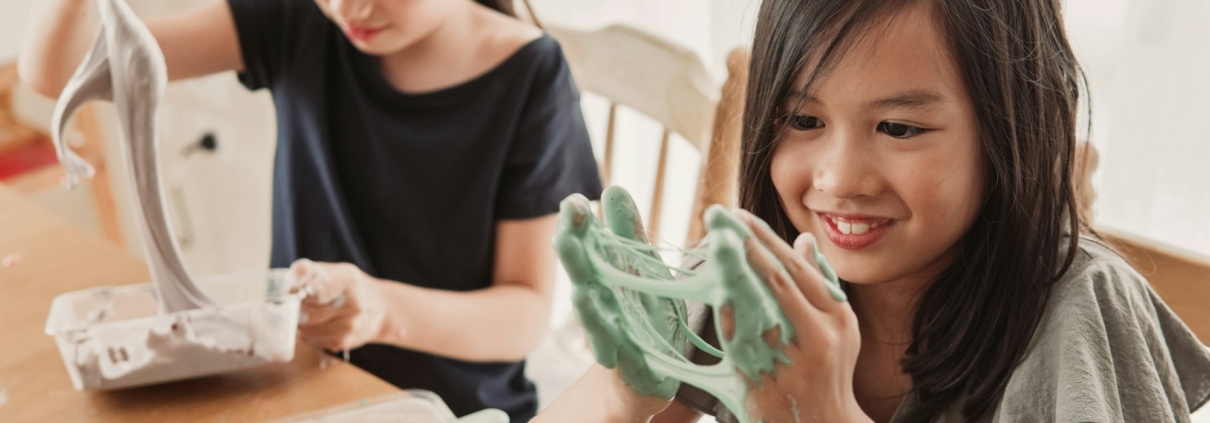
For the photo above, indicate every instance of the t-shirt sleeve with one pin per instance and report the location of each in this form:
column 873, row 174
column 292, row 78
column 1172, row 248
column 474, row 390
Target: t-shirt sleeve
column 551, row 156
column 1108, row 350
column 269, row 31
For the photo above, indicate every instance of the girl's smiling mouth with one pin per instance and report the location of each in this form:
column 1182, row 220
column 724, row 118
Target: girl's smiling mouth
column 362, row 33
column 854, row 232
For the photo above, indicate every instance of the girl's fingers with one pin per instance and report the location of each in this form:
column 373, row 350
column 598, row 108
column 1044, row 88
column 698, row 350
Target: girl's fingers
column 804, row 276
column 326, row 284
column 727, row 319
column 318, row 315
column 621, row 215
column 807, row 246
column 311, row 278
column 574, row 212
column 327, row 342
column 787, row 294
column 330, row 335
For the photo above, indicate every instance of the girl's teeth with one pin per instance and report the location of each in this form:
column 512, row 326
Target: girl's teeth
column 845, row 227
column 860, row 228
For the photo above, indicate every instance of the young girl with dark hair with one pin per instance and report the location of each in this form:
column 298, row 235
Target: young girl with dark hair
column 929, row 146
column 423, row 148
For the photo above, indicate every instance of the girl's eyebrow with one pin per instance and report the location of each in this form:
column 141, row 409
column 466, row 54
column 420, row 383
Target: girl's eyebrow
column 908, row 99
column 912, row 99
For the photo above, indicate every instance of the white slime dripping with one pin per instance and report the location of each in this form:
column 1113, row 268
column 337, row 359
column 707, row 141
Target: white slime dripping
column 127, row 67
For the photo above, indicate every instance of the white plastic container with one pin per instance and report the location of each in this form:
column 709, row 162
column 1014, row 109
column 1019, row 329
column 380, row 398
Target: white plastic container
column 113, row 337
column 410, row 406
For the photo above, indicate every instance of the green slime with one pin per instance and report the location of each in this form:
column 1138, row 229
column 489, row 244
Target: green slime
column 633, row 309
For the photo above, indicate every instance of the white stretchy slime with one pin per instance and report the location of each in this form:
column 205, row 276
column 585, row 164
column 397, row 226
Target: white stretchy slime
column 633, row 310
column 127, row 67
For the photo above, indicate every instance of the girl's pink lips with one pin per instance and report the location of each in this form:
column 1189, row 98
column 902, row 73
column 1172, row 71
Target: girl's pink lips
column 361, row 33
column 850, row 241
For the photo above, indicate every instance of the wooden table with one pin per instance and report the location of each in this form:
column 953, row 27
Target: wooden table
column 55, row 258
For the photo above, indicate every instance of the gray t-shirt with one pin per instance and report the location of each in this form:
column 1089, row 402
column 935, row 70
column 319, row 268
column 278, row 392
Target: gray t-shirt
column 1107, row 350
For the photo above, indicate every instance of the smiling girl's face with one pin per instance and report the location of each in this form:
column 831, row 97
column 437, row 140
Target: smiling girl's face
column 881, row 160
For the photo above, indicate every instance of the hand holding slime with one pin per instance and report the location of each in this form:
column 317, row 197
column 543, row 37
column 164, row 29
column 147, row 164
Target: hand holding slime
column 633, row 309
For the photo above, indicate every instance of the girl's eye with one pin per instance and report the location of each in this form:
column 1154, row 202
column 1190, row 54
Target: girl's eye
column 899, row 130
column 805, row 122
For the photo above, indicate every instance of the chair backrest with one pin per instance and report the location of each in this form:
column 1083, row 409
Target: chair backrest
column 668, row 83
column 1181, row 278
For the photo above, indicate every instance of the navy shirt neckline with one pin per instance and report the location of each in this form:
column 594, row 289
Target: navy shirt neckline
column 369, row 72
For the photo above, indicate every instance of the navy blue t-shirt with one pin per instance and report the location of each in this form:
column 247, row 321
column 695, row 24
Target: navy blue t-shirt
column 409, row 187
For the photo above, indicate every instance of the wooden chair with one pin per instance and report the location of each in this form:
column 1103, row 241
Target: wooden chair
column 668, row 83
column 1181, row 278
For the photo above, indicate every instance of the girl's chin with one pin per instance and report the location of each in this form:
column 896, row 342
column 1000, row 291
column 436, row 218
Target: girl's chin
column 375, row 47
column 857, row 270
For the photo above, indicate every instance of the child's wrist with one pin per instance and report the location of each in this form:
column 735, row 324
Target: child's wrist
column 390, row 330
column 630, row 406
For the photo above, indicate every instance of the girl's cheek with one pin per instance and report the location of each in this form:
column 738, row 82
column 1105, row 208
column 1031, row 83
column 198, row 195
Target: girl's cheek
column 790, row 174
column 944, row 191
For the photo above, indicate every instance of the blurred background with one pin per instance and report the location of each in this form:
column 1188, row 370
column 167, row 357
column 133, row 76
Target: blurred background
column 1148, row 64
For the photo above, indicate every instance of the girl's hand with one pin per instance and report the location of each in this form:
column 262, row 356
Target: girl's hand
column 622, row 383
column 343, row 309
column 818, row 385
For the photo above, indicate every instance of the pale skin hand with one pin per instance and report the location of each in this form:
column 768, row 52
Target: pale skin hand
column 818, row 385
column 601, row 395
column 503, row 322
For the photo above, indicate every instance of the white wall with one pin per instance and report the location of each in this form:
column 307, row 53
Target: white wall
column 12, row 22
column 1149, row 71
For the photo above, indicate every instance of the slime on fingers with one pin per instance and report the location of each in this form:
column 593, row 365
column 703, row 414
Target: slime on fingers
column 633, row 309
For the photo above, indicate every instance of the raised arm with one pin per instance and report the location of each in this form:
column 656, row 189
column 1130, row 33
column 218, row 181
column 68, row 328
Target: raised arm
column 503, row 322
column 59, row 33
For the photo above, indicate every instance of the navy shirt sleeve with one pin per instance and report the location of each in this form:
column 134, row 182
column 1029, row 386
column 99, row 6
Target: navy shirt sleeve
column 269, row 32
column 551, row 156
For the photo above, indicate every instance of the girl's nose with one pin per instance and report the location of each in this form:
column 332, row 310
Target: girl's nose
column 846, row 169
column 352, row 10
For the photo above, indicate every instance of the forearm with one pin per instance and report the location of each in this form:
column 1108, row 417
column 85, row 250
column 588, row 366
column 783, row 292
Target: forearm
column 593, row 399
column 58, row 34
column 499, row 323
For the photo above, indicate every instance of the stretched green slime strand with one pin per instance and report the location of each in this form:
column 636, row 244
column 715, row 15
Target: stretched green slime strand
column 634, row 312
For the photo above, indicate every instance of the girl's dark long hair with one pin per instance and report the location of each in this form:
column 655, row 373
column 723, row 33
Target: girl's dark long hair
column 502, row 6
column 974, row 323
column 506, row 7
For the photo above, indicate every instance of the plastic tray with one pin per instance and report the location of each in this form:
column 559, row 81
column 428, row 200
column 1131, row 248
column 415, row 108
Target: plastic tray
column 411, row 406
column 113, row 337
